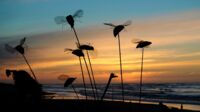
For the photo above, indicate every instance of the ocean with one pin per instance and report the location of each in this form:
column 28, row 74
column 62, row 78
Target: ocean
column 171, row 94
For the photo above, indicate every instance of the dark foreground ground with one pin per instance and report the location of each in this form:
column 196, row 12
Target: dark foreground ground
column 9, row 103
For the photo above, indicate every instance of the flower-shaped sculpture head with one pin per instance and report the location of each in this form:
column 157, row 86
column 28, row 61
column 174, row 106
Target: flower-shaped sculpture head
column 19, row 48
column 69, row 19
column 118, row 28
column 86, row 47
column 76, row 52
column 112, row 75
column 69, row 81
column 143, row 44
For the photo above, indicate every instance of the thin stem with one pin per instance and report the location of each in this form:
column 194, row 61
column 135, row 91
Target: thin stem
column 89, row 77
column 106, row 88
column 29, row 67
column 76, row 35
column 85, row 61
column 83, row 77
column 92, row 74
column 75, row 91
column 141, row 75
column 121, row 73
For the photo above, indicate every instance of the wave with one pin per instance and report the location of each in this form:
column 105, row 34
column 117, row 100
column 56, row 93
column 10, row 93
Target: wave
column 174, row 92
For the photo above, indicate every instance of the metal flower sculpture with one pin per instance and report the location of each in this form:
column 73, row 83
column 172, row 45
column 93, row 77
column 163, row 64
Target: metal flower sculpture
column 79, row 53
column 117, row 29
column 142, row 44
column 112, row 75
column 87, row 48
column 20, row 49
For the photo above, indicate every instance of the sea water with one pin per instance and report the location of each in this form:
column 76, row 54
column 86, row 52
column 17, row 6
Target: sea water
column 171, row 94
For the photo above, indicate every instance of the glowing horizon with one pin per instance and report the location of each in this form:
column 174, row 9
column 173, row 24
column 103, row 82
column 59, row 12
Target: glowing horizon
column 173, row 56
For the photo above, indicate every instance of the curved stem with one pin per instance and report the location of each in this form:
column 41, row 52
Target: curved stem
column 29, row 67
column 121, row 73
column 141, row 75
column 83, row 77
column 107, row 86
column 92, row 74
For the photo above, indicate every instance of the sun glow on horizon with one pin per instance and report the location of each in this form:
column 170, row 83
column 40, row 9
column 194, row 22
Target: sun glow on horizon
column 172, row 57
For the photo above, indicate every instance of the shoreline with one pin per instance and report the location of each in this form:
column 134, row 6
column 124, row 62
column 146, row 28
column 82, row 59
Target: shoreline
column 9, row 99
column 187, row 106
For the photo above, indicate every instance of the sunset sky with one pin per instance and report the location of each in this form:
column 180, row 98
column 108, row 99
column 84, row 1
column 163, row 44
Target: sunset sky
column 173, row 26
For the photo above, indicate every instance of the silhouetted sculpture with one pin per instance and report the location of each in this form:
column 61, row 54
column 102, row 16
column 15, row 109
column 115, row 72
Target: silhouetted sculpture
column 117, row 29
column 88, row 47
column 70, row 20
column 79, row 53
column 142, row 44
column 85, row 47
column 20, row 49
column 68, row 82
column 112, row 75
column 28, row 89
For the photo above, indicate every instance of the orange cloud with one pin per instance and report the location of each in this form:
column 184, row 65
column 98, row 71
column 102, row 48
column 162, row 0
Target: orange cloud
column 172, row 36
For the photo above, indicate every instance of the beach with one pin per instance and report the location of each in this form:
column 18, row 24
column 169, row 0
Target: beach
column 64, row 100
column 171, row 94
